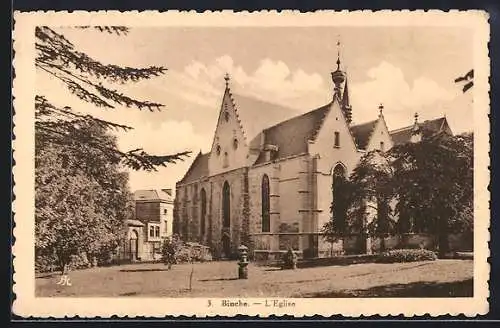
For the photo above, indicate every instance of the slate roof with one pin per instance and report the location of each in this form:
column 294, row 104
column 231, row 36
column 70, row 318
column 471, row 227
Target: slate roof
column 403, row 135
column 134, row 223
column 291, row 136
column 197, row 170
column 256, row 115
column 151, row 195
column 362, row 133
column 434, row 125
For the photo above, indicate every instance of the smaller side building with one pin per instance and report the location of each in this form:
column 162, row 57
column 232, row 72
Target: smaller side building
column 152, row 224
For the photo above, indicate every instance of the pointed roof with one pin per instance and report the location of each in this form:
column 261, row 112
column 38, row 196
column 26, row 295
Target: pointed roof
column 345, row 95
column 362, row 133
column 256, row 115
column 403, row 135
column 133, row 223
column 292, row 136
column 151, row 195
column 197, row 170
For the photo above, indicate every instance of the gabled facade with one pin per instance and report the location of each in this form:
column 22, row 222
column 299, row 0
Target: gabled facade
column 267, row 180
column 153, row 223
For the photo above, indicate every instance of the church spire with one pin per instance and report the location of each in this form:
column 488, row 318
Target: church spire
column 338, row 55
column 346, row 105
column 227, row 78
column 338, row 77
column 416, row 126
column 345, row 95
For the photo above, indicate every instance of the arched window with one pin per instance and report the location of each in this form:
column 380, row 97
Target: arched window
column 266, row 221
column 226, row 205
column 226, row 160
column 203, row 197
column 339, row 171
column 340, row 198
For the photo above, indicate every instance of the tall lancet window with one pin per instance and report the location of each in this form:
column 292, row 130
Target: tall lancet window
column 203, row 211
column 336, row 141
column 339, row 203
column 226, row 205
column 266, row 220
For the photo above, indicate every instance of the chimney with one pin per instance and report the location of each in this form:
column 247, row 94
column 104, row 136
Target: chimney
column 168, row 191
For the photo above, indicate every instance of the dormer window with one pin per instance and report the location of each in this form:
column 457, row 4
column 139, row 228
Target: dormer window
column 226, row 116
column 235, row 143
column 217, row 150
column 382, row 146
column 270, row 152
column 337, row 140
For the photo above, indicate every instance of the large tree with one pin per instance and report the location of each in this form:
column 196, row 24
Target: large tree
column 434, row 183
column 361, row 204
column 373, row 191
column 82, row 193
column 81, row 198
column 94, row 83
column 338, row 226
column 430, row 183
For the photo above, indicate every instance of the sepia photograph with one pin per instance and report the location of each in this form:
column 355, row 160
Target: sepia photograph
column 259, row 165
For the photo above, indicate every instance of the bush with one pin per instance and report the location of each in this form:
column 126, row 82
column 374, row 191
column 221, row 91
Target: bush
column 174, row 251
column 46, row 263
column 50, row 262
column 406, row 255
column 289, row 260
column 170, row 250
column 198, row 252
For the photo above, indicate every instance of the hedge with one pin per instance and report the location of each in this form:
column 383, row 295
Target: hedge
column 406, row 255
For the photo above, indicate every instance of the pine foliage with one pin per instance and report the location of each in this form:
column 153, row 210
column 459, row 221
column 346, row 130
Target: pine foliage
column 92, row 82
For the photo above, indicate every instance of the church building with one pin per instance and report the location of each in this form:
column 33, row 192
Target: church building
column 267, row 182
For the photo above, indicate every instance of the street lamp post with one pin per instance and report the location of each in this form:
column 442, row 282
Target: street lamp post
column 243, row 262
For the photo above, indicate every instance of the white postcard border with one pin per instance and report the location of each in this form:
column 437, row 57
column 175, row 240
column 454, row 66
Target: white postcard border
column 26, row 304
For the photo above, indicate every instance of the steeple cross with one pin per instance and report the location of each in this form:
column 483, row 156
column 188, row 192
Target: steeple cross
column 338, row 55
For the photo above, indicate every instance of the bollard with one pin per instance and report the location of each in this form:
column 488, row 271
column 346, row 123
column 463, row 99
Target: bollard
column 243, row 262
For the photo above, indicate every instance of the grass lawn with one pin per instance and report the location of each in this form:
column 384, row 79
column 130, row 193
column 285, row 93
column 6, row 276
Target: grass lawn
column 442, row 278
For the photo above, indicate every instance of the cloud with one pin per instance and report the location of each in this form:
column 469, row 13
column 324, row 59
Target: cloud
column 168, row 138
column 387, row 84
column 192, row 96
column 272, row 81
column 151, row 130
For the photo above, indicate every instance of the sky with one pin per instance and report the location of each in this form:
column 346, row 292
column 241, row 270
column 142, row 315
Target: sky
column 407, row 69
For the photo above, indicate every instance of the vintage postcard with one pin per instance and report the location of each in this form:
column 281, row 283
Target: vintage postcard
column 221, row 163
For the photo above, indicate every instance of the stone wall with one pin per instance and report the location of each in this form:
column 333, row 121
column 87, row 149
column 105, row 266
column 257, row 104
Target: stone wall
column 147, row 211
column 187, row 213
column 289, row 203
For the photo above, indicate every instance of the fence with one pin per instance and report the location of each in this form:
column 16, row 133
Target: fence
column 270, row 246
